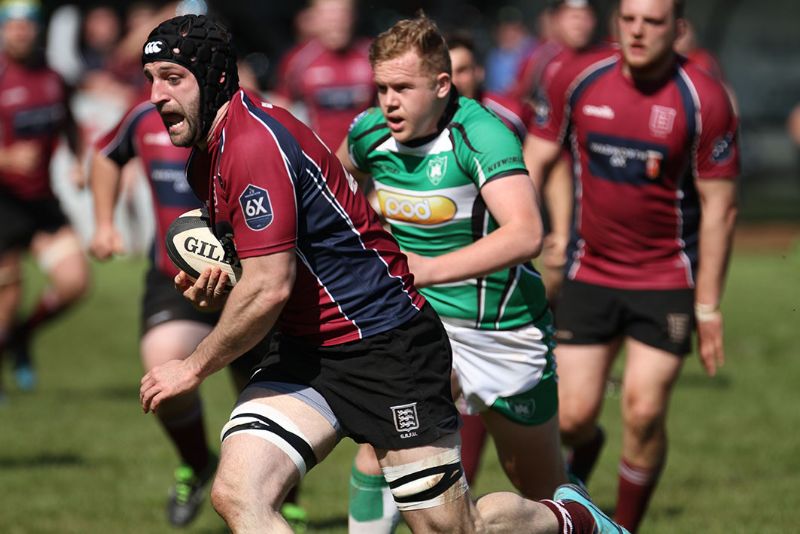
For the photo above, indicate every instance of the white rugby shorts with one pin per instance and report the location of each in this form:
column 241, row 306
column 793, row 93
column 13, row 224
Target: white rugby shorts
column 496, row 363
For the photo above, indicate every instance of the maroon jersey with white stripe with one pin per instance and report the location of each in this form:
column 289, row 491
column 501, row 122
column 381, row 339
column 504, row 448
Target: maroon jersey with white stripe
column 335, row 86
column 639, row 151
column 33, row 109
column 514, row 113
column 267, row 176
column 141, row 133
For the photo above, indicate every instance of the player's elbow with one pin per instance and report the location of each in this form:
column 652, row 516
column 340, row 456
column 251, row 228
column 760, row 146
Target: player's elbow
column 528, row 242
column 535, row 243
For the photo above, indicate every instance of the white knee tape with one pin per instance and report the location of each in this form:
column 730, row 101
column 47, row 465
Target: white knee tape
column 434, row 481
column 270, row 424
column 59, row 249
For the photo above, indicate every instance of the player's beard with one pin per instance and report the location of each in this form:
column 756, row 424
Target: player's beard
column 188, row 130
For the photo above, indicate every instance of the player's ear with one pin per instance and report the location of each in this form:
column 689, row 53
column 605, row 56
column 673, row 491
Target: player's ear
column 442, row 84
column 681, row 27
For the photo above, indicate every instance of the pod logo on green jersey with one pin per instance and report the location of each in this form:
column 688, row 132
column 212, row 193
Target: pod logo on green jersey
column 419, row 210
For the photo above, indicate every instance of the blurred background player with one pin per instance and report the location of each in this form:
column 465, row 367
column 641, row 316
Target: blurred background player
column 451, row 182
column 328, row 74
column 572, row 25
column 654, row 141
column 34, row 114
column 468, row 77
column 171, row 328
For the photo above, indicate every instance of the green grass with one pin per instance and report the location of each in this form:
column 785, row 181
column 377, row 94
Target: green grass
column 78, row 456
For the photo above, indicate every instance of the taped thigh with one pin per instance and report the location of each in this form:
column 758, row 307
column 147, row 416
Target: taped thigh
column 60, row 247
column 434, row 481
column 270, row 424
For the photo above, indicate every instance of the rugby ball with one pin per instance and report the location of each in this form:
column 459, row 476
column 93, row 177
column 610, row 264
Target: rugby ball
column 193, row 247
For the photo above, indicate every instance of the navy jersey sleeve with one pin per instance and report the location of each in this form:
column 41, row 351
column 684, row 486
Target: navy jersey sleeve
column 119, row 143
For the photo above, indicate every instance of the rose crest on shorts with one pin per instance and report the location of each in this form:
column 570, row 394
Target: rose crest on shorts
column 405, row 419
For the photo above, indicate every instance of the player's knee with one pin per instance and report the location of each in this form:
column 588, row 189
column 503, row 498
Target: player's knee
column 180, row 410
column 643, row 418
column 576, row 425
column 434, row 481
column 366, row 462
column 227, row 499
column 72, row 284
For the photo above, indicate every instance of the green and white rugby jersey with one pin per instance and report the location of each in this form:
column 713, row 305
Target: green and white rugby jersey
column 430, row 195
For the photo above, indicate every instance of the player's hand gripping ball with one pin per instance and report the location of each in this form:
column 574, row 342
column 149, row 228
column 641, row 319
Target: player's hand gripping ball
column 193, row 247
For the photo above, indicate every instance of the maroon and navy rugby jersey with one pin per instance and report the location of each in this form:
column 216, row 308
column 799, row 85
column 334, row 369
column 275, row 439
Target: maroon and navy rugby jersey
column 268, row 175
column 639, row 150
column 335, row 86
column 141, row 133
column 33, row 108
column 514, row 113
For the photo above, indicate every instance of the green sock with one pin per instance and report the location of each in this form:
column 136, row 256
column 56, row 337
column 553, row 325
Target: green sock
column 372, row 509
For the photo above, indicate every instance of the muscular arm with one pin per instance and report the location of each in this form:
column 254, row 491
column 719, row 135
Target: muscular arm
column 512, row 202
column 252, row 308
column 718, row 215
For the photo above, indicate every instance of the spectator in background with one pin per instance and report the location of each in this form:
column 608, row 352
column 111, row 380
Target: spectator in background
column 34, row 114
column 101, row 33
column 514, row 43
column 330, row 73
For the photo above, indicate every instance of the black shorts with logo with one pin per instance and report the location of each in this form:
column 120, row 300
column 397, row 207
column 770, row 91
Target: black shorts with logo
column 391, row 390
column 163, row 303
column 22, row 219
column 589, row 314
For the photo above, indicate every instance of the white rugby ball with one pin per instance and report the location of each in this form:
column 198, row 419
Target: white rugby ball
column 193, row 247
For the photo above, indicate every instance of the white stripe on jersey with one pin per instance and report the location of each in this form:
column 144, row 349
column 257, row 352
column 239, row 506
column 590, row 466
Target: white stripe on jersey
column 289, row 174
column 442, row 143
column 698, row 121
column 134, row 114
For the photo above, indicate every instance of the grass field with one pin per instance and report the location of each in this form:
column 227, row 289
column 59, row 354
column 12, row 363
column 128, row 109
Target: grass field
column 78, row 456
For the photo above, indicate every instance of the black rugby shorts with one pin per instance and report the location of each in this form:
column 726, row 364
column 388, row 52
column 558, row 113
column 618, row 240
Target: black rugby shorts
column 22, row 219
column 391, row 390
column 589, row 314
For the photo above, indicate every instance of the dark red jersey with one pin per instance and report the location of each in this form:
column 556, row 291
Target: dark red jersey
column 33, row 108
column 639, row 151
column 141, row 133
column 335, row 86
column 516, row 114
column 279, row 188
column 532, row 69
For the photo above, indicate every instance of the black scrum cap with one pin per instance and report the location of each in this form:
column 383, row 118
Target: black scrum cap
column 204, row 47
